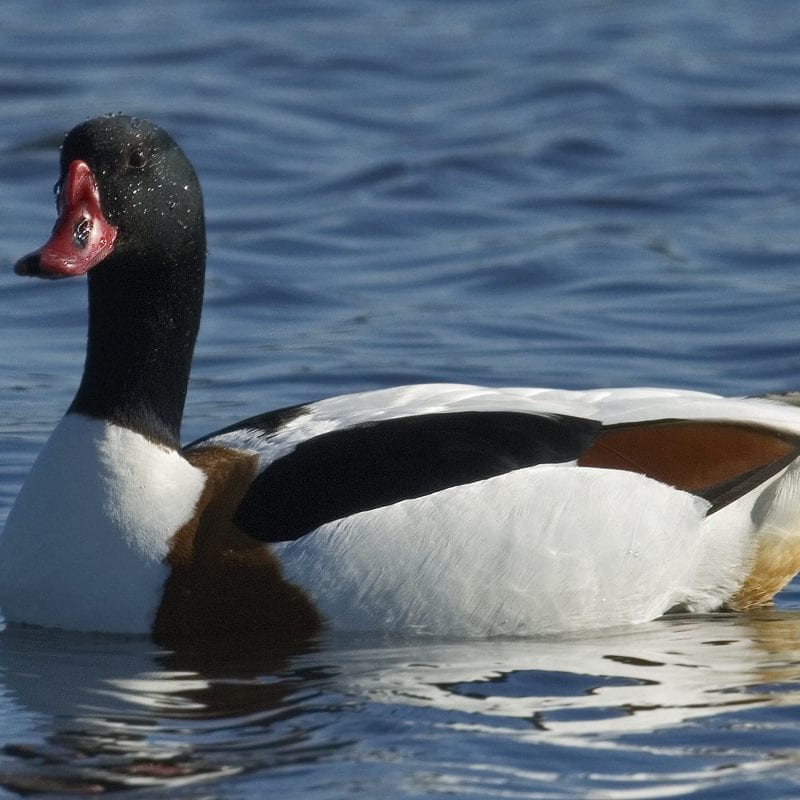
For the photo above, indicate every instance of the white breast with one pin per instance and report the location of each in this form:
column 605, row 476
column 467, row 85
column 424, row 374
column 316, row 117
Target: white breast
column 86, row 538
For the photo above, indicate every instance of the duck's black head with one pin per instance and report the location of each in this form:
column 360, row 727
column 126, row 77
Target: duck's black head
column 130, row 216
column 126, row 193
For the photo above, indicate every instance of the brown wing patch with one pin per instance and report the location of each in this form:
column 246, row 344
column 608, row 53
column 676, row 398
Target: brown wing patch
column 717, row 460
column 223, row 583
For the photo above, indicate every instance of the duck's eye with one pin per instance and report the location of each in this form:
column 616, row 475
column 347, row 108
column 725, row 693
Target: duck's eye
column 137, row 159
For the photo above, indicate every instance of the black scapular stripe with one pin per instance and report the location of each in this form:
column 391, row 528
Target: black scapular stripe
column 263, row 424
column 375, row 464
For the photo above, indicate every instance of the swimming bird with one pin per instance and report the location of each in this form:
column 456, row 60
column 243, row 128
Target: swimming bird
column 444, row 509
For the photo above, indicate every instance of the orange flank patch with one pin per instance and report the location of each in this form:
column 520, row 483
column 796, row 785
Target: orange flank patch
column 223, row 583
column 718, row 460
column 777, row 561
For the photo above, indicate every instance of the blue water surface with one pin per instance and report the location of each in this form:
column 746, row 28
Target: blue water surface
column 533, row 192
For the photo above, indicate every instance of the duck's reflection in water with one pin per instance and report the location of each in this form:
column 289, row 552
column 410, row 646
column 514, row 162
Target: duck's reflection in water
column 87, row 714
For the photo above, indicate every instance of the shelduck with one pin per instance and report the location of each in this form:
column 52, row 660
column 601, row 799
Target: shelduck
column 443, row 509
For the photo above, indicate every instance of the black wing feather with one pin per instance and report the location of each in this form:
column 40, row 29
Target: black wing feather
column 374, row 464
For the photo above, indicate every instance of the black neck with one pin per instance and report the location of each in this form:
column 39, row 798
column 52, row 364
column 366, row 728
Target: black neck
column 143, row 322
